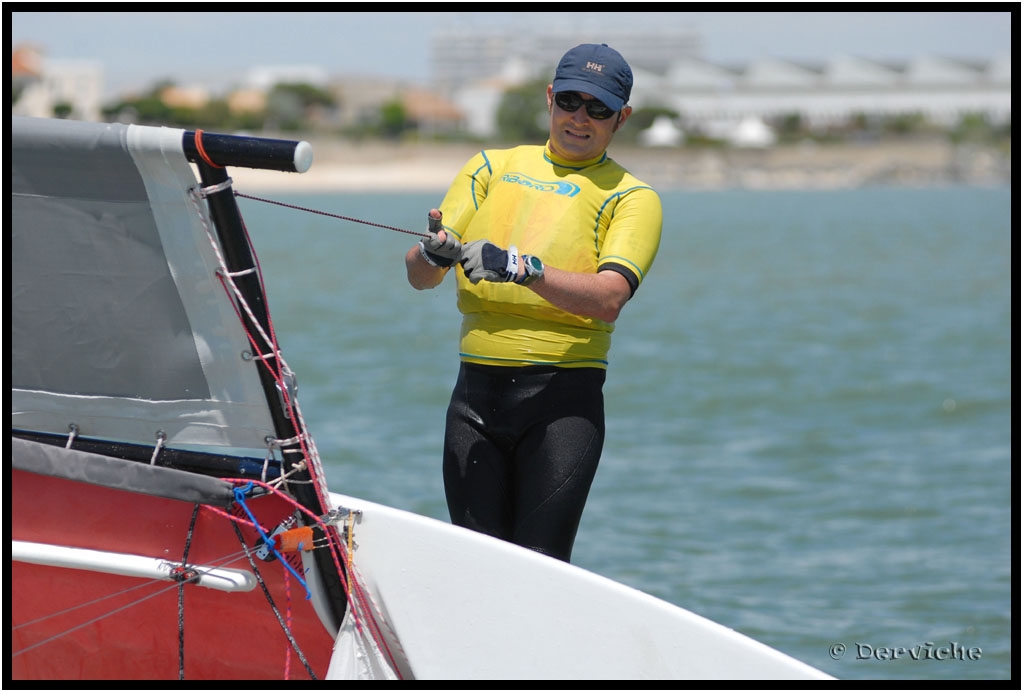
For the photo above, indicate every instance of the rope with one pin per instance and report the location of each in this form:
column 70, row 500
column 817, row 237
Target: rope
column 269, row 341
column 224, row 562
column 240, row 499
column 160, row 438
column 292, row 409
column 181, row 595
column 90, row 621
column 328, row 214
column 270, row 600
column 365, row 610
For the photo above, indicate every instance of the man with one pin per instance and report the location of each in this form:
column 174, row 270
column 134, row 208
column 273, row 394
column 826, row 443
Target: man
column 548, row 244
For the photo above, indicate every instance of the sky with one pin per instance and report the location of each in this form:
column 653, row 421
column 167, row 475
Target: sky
column 215, row 49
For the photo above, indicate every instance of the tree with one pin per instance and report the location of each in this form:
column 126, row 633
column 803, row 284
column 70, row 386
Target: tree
column 522, row 114
column 306, row 94
column 62, row 109
column 148, row 109
column 289, row 104
column 973, row 127
column 394, row 120
column 285, row 110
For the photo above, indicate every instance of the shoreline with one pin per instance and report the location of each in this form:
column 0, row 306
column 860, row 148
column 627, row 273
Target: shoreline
column 342, row 166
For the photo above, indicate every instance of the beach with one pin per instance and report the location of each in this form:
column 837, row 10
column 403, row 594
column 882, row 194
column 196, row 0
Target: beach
column 345, row 166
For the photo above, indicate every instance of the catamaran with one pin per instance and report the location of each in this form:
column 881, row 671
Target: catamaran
column 170, row 516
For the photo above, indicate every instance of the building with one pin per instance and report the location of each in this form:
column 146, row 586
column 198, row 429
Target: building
column 476, row 68
column 461, row 56
column 472, row 70
column 833, row 92
column 48, row 88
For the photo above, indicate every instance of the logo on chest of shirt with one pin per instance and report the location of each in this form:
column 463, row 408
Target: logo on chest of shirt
column 556, row 187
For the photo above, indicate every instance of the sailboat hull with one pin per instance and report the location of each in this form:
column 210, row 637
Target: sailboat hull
column 156, row 426
column 93, row 623
column 468, row 606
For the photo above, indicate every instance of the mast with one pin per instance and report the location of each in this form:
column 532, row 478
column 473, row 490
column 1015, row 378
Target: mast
column 211, row 153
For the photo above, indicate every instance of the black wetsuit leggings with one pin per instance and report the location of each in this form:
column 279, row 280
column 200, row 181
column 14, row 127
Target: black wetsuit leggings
column 521, row 449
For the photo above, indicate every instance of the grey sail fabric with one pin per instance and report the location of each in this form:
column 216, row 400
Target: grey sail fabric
column 101, row 470
column 95, row 306
column 119, row 324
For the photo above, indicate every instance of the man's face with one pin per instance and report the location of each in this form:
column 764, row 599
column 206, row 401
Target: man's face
column 577, row 136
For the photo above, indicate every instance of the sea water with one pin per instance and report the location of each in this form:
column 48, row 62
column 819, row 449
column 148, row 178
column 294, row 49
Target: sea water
column 809, row 409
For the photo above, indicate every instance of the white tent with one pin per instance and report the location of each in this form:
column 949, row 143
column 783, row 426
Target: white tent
column 662, row 133
column 752, row 132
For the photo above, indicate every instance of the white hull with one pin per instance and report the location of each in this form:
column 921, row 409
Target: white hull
column 467, row 606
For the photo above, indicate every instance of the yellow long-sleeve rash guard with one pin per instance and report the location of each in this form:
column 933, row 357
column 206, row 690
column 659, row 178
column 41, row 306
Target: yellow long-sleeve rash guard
column 577, row 216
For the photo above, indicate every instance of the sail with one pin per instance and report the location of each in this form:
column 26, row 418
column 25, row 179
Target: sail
column 119, row 327
column 123, row 334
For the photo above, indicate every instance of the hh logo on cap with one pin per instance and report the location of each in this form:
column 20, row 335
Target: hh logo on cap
column 595, row 67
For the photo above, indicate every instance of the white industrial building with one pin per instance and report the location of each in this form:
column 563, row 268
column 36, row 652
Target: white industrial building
column 462, row 56
column 942, row 90
column 668, row 73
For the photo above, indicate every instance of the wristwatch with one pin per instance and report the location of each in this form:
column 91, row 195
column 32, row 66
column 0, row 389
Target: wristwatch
column 534, row 270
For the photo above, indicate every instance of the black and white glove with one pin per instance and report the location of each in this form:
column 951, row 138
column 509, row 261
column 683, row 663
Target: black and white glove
column 437, row 252
column 482, row 260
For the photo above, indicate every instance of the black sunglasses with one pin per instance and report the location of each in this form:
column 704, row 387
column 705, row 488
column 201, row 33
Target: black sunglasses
column 570, row 101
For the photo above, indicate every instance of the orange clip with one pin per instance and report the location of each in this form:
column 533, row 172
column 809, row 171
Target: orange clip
column 298, row 539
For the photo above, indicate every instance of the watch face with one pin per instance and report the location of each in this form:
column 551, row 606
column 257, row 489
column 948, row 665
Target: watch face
column 536, row 264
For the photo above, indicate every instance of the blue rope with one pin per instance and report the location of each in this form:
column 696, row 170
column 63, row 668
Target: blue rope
column 240, row 493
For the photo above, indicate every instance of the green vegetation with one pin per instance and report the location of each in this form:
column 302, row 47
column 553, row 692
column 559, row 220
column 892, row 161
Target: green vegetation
column 521, row 118
column 62, row 109
column 288, row 108
column 640, row 120
column 394, row 122
column 522, row 114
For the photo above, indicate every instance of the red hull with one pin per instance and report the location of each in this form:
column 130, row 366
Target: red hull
column 80, row 624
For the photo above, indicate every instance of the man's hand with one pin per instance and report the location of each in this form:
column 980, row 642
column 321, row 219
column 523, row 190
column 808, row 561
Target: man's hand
column 482, row 260
column 438, row 251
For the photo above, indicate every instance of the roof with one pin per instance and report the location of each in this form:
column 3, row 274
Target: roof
column 694, row 73
column 422, row 105
column 850, row 71
column 933, row 70
column 774, row 73
column 26, row 61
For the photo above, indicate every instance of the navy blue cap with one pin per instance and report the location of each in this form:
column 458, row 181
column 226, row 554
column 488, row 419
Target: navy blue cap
column 597, row 70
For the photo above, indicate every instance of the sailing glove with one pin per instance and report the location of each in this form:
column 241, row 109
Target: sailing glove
column 482, row 260
column 437, row 252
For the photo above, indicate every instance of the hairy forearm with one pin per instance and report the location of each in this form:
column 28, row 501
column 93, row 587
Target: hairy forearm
column 600, row 295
